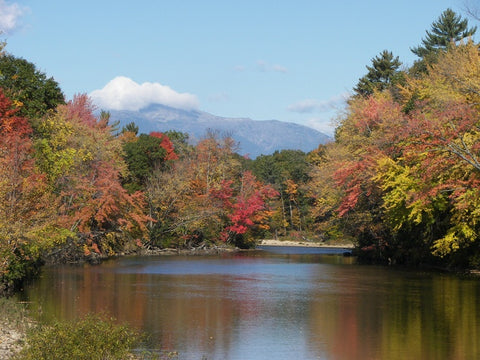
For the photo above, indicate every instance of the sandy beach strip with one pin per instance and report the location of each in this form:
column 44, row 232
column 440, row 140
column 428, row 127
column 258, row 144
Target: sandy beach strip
column 274, row 242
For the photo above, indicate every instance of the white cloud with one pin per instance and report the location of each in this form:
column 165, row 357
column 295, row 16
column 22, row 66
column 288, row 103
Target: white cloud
column 10, row 15
column 312, row 105
column 122, row 93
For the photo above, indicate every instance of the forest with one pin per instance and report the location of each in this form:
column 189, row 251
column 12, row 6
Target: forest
column 401, row 178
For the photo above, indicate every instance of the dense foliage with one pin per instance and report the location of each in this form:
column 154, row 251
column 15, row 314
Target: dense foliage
column 402, row 176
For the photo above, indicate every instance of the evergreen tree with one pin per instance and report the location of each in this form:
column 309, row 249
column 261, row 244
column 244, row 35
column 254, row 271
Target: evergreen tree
column 131, row 127
column 382, row 74
column 449, row 28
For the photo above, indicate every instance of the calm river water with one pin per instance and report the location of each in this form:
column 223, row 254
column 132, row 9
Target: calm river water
column 277, row 303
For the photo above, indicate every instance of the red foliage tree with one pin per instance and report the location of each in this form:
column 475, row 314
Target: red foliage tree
column 247, row 208
column 166, row 144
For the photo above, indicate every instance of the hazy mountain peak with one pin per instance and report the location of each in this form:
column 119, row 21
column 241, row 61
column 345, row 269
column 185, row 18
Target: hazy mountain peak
column 255, row 137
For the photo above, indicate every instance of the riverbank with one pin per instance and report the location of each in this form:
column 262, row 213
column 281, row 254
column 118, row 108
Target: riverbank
column 305, row 243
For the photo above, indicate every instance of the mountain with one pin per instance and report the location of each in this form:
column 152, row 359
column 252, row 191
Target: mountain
column 255, row 137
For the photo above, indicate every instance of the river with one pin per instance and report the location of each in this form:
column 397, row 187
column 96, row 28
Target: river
column 273, row 303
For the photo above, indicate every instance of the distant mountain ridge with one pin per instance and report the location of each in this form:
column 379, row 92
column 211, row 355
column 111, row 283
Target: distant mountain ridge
column 256, row 137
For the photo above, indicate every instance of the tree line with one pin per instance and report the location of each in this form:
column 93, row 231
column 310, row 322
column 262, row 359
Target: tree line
column 401, row 178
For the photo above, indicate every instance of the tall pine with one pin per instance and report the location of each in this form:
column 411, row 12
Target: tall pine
column 382, row 74
column 450, row 27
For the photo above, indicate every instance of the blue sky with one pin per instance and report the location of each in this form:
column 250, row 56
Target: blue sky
column 286, row 60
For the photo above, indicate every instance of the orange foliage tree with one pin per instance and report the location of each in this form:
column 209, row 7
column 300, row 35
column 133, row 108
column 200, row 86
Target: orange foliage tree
column 27, row 221
column 86, row 161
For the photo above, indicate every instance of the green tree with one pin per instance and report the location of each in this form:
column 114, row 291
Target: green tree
column 381, row 75
column 29, row 88
column 450, row 27
column 287, row 171
column 130, row 127
column 142, row 157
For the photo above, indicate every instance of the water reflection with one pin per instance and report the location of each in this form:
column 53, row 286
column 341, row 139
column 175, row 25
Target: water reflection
column 260, row 305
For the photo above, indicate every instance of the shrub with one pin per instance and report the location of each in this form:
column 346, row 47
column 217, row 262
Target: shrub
column 93, row 337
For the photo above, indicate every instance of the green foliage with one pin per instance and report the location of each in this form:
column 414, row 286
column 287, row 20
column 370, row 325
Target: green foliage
column 12, row 314
column 18, row 265
column 130, row 127
column 29, row 88
column 275, row 169
column 142, row 157
column 447, row 29
column 180, row 143
column 93, row 337
column 381, row 75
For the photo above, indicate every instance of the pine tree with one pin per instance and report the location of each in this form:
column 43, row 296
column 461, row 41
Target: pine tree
column 449, row 28
column 382, row 74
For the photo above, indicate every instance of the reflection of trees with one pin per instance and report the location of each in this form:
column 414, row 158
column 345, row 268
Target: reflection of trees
column 398, row 316
column 347, row 312
column 152, row 302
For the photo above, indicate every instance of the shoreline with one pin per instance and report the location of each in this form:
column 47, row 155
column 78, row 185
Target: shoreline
column 306, row 243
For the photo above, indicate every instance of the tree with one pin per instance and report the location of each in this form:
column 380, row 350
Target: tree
column 29, row 88
column 246, row 208
column 207, row 197
column 284, row 169
column 131, row 127
column 28, row 225
column 447, row 29
column 86, row 166
column 182, row 198
column 381, row 75
column 142, row 156
column 406, row 184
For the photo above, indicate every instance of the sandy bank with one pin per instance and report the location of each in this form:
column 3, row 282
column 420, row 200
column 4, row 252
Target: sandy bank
column 273, row 242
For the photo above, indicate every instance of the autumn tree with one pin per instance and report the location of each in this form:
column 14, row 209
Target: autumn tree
column 404, row 184
column 448, row 140
column 246, row 208
column 207, row 197
column 181, row 198
column 85, row 166
column 27, row 209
